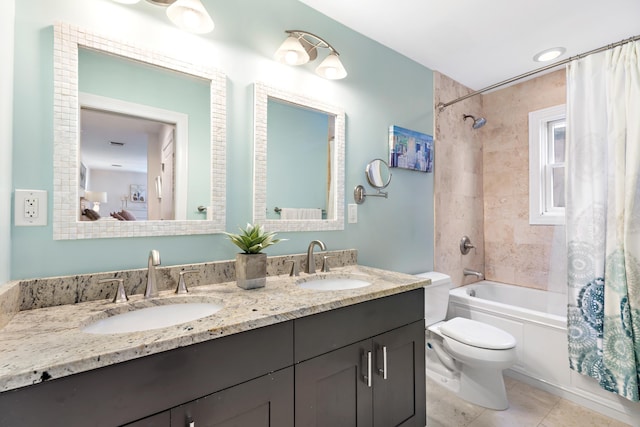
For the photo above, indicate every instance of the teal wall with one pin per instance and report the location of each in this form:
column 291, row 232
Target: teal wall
column 6, row 129
column 383, row 88
column 126, row 80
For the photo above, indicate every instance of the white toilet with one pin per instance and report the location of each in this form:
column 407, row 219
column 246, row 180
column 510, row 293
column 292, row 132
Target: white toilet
column 463, row 355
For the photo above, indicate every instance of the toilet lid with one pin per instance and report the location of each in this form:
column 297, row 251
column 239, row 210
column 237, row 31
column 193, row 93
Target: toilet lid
column 477, row 334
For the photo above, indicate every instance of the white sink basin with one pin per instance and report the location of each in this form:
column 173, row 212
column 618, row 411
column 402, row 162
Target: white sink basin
column 160, row 316
column 328, row 283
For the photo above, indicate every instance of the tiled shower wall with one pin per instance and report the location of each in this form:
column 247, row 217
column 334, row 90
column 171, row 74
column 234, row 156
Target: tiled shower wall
column 516, row 252
column 482, row 186
column 457, row 181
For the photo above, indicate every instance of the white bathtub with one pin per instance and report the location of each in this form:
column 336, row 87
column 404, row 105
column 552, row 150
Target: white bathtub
column 549, row 308
column 538, row 321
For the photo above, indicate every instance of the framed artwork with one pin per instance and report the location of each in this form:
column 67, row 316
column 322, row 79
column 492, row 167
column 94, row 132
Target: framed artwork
column 83, row 176
column 409, row 149
column 138, row 193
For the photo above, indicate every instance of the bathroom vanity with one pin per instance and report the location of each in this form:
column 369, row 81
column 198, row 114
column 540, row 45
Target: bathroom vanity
column 277, row 356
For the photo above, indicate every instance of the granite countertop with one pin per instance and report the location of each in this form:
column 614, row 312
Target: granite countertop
column 48, row 343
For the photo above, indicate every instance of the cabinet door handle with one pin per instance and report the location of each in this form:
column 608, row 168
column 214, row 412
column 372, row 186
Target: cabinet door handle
column 383, row 371
column 368, row 376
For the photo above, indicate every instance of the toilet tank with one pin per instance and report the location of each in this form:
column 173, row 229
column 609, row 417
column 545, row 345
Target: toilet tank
column 436, row 297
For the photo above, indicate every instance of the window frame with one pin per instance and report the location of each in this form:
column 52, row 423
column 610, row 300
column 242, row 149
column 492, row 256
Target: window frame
column 541, row 166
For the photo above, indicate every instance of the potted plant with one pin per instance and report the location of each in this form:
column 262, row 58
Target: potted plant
column 251, row 264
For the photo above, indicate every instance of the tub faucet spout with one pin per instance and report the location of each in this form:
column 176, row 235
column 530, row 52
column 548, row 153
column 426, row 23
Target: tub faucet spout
column 151, row 290
column 469, row 272
column 311, row 262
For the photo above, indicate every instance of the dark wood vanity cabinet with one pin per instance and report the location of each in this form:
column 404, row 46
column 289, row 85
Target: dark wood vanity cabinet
column 148, row 386
column 311, row 371
column 264, row 402
column 378, row 381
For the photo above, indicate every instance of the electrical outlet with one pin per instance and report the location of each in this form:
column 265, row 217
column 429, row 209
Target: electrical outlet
column 30, row 207
column 352, row 216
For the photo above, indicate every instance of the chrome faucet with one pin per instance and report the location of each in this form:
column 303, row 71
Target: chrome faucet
column 469, row 272
column 311, row 262
column 152, row 282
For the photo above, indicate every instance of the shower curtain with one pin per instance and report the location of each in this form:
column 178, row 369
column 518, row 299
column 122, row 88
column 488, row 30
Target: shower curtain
column 603, row 217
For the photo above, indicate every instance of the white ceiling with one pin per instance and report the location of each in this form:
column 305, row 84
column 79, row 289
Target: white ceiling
column 479, row 43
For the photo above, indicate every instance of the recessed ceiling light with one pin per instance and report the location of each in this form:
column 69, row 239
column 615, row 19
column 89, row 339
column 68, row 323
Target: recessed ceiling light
column 549, row 54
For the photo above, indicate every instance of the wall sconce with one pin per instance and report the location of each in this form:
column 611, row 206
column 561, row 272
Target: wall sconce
column 301, row 47
column 188, row 15
column 96, row 197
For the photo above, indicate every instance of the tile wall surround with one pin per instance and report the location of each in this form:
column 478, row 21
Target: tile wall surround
column 458, row 181
column 482, row 185
column 516, row 252
column 53, row 291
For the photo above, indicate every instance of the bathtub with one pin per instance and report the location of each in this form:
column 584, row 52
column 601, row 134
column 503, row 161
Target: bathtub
column 534, row 305
column 538, row 321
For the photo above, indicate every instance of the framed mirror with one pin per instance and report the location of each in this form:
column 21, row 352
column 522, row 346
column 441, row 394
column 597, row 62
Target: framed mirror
column 72, row 177
column 299, row 146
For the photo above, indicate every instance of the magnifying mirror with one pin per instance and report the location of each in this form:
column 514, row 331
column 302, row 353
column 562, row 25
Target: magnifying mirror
column 379, row 176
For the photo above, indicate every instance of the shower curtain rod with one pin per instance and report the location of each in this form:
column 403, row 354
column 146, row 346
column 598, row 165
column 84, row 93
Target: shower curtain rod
column 441, row 106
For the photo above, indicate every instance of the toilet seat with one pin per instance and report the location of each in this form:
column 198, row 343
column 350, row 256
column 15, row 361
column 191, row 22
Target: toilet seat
column 477, row 334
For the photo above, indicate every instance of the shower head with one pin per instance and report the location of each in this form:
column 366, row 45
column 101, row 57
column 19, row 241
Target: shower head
column 477, row 123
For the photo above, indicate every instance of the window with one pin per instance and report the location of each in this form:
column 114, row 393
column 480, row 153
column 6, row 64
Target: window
column 547, row 131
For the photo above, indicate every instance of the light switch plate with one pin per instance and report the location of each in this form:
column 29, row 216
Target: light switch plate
column 30, row 207
column 352, row 216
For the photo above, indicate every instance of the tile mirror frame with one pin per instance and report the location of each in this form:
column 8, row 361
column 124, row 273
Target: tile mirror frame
column 262, row 93
column 66, row 109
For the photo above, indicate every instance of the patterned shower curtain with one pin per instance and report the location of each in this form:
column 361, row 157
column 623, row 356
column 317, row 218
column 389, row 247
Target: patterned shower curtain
column 603, row 217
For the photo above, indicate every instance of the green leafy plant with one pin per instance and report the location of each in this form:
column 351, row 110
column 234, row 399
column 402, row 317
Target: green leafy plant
column 253, row 239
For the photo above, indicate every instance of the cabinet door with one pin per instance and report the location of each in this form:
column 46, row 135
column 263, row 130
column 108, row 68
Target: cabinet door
column 265, row 401
column 332, row 391
column 399, row 395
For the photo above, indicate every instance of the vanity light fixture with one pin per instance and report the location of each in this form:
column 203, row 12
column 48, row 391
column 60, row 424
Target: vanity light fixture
column 549, row 54
column 188, row 15
column 301, row 47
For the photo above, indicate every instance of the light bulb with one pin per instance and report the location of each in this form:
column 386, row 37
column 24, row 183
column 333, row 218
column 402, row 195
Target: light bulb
column 190, row 15
column 291, row 57
column 332, row 68
column 190, row 19
column 291, row 52
column 330, row 72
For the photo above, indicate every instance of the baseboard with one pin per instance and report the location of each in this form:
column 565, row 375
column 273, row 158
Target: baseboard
column 610, row 409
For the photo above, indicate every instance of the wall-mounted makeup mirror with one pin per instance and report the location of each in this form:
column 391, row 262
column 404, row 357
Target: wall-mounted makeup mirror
column 379, row 177
column 378, row 174
column 299, row 162
column 196, row 124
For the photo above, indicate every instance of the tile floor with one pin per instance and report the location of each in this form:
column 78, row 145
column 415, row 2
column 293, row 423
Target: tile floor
column 528, row 407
